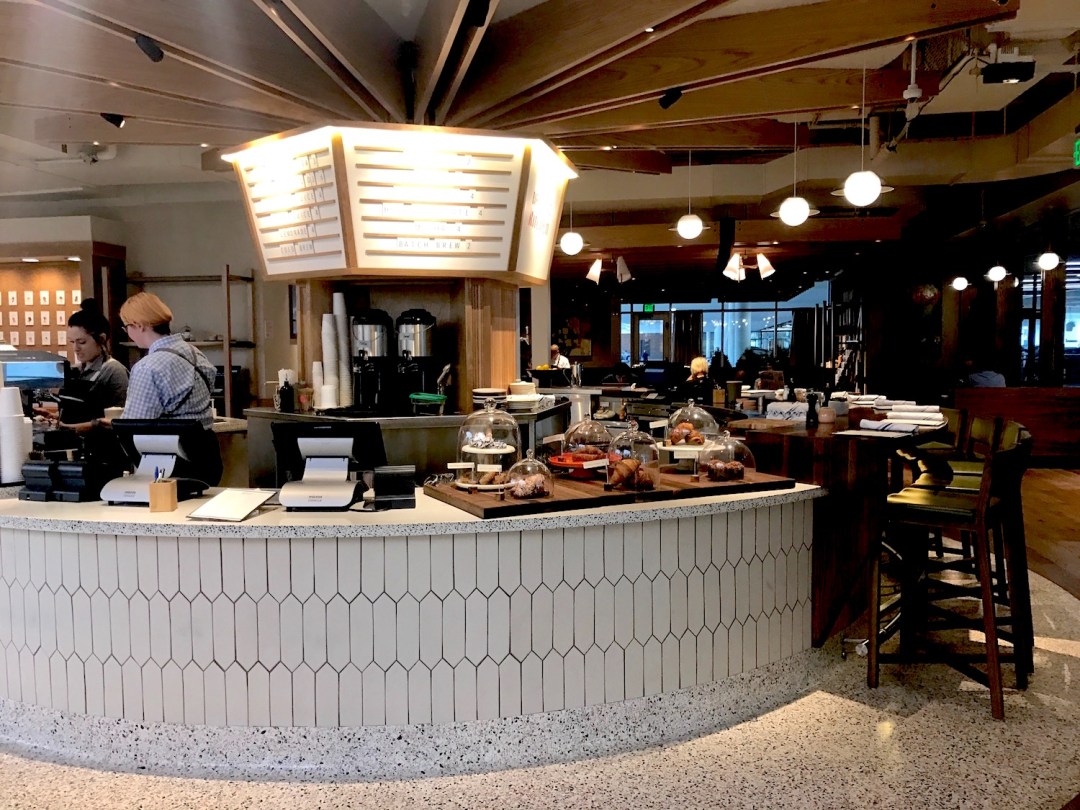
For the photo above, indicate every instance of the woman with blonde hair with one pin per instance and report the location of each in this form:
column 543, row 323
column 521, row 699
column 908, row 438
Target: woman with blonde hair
column 173, row 381
column 698, row 385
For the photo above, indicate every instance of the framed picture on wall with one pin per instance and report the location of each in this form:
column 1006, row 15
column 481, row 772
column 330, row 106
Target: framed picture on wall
column 76, row 297
column 61, row 298
column 31, row 338
column 28, row 318
column 61, row 338
column 14, row 338
column 28, row 298
column 12, row 298
column 61, row 317
column 43, row 318
column 13, row 319
column 43, row 297
column 46, row 338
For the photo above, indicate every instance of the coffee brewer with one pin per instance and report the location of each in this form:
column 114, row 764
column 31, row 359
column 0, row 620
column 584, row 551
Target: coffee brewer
column 373, row 363
column 417, row 368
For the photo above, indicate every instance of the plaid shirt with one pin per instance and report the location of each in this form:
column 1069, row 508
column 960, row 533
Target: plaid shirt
column 163, row 385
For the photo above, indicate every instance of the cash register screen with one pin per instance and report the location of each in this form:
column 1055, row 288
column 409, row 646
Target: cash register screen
column 28, row 370
column 364, row 438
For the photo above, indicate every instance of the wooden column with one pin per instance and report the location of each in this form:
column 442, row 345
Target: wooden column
column 1007, row 329
column 488, row 357
column 1052, row 328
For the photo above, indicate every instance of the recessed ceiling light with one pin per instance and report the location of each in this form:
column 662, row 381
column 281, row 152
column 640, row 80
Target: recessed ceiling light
column 649, row 30
column 74, row 259
column 97, row 143
column 30, row 260
column 204, row 145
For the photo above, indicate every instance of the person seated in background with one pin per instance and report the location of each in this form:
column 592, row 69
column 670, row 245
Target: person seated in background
column 620, row 373
column 558, row 360
column 698, row 386
column 987, row 377
column 720, row 369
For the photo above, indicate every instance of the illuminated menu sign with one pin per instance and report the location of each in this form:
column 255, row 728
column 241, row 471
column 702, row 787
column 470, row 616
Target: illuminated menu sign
column 403, row 201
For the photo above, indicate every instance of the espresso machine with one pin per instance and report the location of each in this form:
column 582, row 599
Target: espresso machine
column 418, row 369
column 373, row 363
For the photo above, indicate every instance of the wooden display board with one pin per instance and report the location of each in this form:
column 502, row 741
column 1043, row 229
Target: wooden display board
column 570, row 494
column 399, row 201
column 35, row 301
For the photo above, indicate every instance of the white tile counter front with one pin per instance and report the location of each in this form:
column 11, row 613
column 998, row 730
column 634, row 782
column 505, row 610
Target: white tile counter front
column 405, row 618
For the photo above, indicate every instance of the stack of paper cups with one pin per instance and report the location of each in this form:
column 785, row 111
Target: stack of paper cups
column 341, row 326
column 10, row 401
column 317, row 383
column 329, row 387
column 14, row 443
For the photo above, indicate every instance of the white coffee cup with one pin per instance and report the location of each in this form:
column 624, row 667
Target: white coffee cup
column 114, row 413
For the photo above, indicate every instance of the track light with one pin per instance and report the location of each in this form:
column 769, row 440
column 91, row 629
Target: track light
column 148, row 46
column 668, row 99
column 115, row 119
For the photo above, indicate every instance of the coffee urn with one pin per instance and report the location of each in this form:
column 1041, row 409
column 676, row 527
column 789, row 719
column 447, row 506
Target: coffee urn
column 417, row 367
column 373, row 361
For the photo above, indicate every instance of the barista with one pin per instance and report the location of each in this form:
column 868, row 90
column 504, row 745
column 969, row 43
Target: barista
column 558, row 359
column 173, row 381
column 97, row 381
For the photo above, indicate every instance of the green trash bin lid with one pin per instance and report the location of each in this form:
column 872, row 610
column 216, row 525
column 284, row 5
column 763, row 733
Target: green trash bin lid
column 425, row 398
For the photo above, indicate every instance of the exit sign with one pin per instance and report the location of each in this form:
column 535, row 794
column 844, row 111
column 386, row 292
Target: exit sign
column 1076, row 153
column 649, row 309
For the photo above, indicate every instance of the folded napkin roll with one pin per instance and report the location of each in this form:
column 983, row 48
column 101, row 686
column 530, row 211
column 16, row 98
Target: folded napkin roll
column 887, row 425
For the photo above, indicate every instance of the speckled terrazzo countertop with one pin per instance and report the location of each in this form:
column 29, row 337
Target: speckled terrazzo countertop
column 429, row 517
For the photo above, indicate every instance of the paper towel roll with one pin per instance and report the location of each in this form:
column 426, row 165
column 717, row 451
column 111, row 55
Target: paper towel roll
column 341, row 323
column 10, row 402
column 317, row 383
column 13, row 449
column 328, row 394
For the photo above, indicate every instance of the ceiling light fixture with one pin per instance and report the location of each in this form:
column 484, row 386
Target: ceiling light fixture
column 571, row 242
column 1049, row 260
column 594, row 271
column 862, row 187
column 148, row 46
column 30, row 260
column 795, row 210
column 736, row 269
column 689, row 225
column 115, row 119
column 996, row 273
column 622, row 272
column 668, row 99
column 959, row 283
column 74, row 258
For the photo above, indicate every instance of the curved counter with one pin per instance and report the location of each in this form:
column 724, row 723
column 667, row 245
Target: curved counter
column 347, row 620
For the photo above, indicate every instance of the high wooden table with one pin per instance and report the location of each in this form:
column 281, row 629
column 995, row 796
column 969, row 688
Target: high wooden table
column 856, row 472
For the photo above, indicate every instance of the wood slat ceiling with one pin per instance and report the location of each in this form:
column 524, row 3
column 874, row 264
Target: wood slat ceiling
column 584, row 73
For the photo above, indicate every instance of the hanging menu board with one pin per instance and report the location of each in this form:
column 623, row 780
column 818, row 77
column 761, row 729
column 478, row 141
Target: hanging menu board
column 292, row 200
column 396, row 200
column 437, row 202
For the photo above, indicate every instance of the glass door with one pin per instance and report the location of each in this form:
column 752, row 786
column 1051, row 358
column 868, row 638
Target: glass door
column 650, row 336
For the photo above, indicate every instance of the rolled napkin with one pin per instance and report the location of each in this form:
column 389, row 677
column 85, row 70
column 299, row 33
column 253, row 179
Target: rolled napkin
column 792, row 411
column 909, row 408
column 10, row 401
column 882, row 404
column 317, row 383
column 889, row 426
column 916, row 417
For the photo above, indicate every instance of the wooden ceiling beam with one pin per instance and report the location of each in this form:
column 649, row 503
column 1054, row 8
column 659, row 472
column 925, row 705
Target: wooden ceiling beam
column 68, row 39
column 558, row 41
column 645, row 161
column 79, row 127
column 712, row 52
column 29, row 86
column 802, row 91
column 457, row 67
column 439, row 28
column 357, row 39
column 747, row 134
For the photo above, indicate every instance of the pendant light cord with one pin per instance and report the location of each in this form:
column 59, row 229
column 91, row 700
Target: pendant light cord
column 862, row 128
column 689, row 164
column 795, row 164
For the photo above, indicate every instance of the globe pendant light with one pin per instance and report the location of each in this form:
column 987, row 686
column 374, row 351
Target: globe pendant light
column 571, row 242
column 795, row 210
column 959, row 283
column 996, row 273
column 689, row 225
column 862, row 187
column 1049, row 260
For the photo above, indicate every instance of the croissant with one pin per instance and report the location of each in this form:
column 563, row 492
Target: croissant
column 695, row 437
column 624, row 471
column 687, row 426
column 642, row 479
column 677, row 435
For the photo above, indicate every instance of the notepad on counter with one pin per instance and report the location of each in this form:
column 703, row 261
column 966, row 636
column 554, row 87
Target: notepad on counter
column 233, row 504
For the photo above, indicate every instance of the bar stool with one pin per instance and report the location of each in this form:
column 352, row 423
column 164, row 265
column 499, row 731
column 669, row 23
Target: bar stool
column 909, row 515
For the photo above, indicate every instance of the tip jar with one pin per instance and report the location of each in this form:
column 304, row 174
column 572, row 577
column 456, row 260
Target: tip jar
column 529, row 478
column 633, row 461
column 488, row 439
column 726, row 459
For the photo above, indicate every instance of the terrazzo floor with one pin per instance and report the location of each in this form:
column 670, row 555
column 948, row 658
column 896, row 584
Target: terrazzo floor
column 924, row 739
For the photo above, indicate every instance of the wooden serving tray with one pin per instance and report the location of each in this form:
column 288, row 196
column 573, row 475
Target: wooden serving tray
column 571, row 494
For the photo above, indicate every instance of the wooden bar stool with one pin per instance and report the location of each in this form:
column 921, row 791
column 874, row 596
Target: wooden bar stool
column 910, row 514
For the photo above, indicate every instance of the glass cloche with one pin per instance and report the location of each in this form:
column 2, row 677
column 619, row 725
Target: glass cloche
column 691, row 425
column 529, row 479
column 489, row 439
column 725, row 459
column 586, row 441
column 633, row 460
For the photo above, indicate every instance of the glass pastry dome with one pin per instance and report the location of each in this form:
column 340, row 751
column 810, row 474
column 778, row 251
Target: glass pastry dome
column 633, row 460
column 691, row 425
column 529, row 478
column 489, row 437
column 725, row 459
column 587, row 436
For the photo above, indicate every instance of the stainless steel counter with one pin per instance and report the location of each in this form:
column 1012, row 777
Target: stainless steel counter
column 428, row 442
